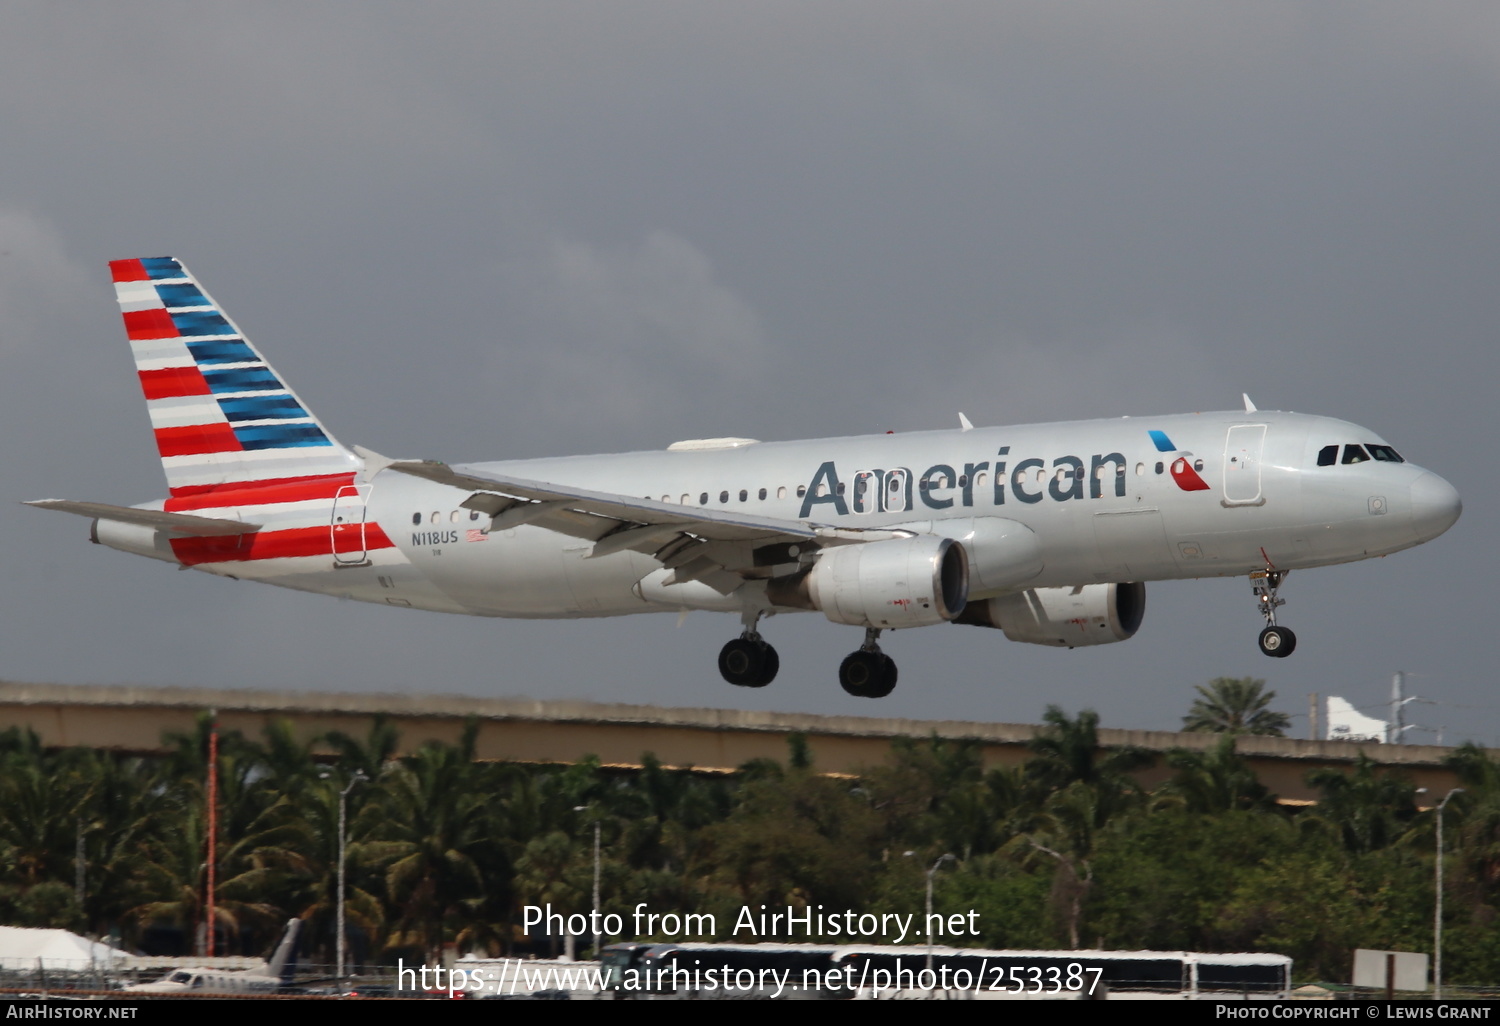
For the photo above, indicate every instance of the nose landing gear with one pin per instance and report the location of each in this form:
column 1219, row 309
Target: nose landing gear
column 869, row 672
column 748, row 661
column 1277, row 642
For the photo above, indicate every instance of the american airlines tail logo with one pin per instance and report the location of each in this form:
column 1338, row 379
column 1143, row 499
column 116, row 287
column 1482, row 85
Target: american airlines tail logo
column 1183, row 471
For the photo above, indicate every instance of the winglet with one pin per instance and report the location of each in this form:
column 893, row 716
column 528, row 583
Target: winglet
column 1249, row 406
column 963, row 422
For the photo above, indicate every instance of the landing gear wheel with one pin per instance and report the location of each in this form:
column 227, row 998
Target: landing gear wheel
column 1278, row 642
column 772, row 666
column 867, row 674
column 748, row 663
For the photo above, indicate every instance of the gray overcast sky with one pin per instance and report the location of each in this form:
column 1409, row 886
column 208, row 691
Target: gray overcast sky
column 487, row 230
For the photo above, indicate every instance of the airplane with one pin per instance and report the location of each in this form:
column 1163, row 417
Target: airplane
column 1046, row 532
column 270, row 978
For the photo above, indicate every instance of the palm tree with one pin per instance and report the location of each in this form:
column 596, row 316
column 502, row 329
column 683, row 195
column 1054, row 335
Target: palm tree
column 1065, row 751
column 1216, row 780
column 1235, row 705
column 427, row 825
column 1368, row 810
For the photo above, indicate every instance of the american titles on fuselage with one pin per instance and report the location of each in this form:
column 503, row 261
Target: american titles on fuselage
column 944, row 486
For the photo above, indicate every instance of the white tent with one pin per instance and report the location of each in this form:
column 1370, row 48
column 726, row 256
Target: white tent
column 53, row 950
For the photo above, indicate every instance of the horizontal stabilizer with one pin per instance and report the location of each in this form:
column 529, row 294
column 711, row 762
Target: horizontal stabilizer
column 177, row 523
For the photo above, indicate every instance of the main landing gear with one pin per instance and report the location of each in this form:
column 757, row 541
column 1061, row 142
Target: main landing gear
column 748, row 661
column 869, row 672
column 1277, row 642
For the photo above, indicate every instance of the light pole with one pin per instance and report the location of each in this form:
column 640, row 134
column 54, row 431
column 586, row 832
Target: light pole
column 358, row 778
column 927, row 923
column 1437, row 916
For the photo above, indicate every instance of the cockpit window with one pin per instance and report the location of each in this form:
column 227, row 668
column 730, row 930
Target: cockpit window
column 1385, row 454
column 1328, row 455
column 1355, row 454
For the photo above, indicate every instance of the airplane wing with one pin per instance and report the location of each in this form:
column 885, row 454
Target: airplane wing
column 719, row 547
column 176, row 523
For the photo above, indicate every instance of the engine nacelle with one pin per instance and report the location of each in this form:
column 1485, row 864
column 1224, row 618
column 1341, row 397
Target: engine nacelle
column 1002, row 553
column 902, row 582
column 1094, row 614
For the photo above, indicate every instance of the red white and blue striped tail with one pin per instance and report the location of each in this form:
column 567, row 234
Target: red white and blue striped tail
column 223, row 417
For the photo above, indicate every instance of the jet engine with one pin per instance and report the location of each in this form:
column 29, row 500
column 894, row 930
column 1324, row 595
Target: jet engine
column 901, row 582
column 1093, row 614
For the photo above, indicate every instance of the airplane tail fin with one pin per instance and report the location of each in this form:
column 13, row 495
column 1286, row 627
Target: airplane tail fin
column 222, row 416
column 283, row 963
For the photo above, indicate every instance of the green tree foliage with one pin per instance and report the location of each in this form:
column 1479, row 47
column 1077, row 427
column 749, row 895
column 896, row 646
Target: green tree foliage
column 1367, row 809
column 1065, row 848
column 1215, row 781
column 1235, row 705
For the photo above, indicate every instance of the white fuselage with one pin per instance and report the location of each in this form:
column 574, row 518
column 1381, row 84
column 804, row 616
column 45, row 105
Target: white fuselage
column 1104, row 499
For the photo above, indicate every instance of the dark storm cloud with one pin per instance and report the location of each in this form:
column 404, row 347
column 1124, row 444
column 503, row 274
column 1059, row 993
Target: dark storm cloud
column 476, row 231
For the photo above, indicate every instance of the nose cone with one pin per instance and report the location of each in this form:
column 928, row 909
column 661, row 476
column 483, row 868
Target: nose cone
column 1435, row 506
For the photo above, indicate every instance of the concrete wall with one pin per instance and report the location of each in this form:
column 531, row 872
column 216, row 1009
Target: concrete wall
column 135, row 719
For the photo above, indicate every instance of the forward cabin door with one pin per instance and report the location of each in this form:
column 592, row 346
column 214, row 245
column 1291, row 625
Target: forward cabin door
column 1242, row 456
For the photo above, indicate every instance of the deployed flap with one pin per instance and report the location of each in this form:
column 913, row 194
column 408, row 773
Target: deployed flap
column 177, row 523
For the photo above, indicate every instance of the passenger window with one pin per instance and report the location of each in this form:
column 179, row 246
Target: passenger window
column 1328, row 455
column 1160, row 467
column 685, row 499
column 416, row 518
column 781, row 492
column 1355, row 454
column 455, row 516
column 437, row 518
column 723, row 496
column 703, row 499
column 473, row 514
column 744, row 495
column 762, row 495
column 801, row 491
column 1197, row 464
column 979, row 479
